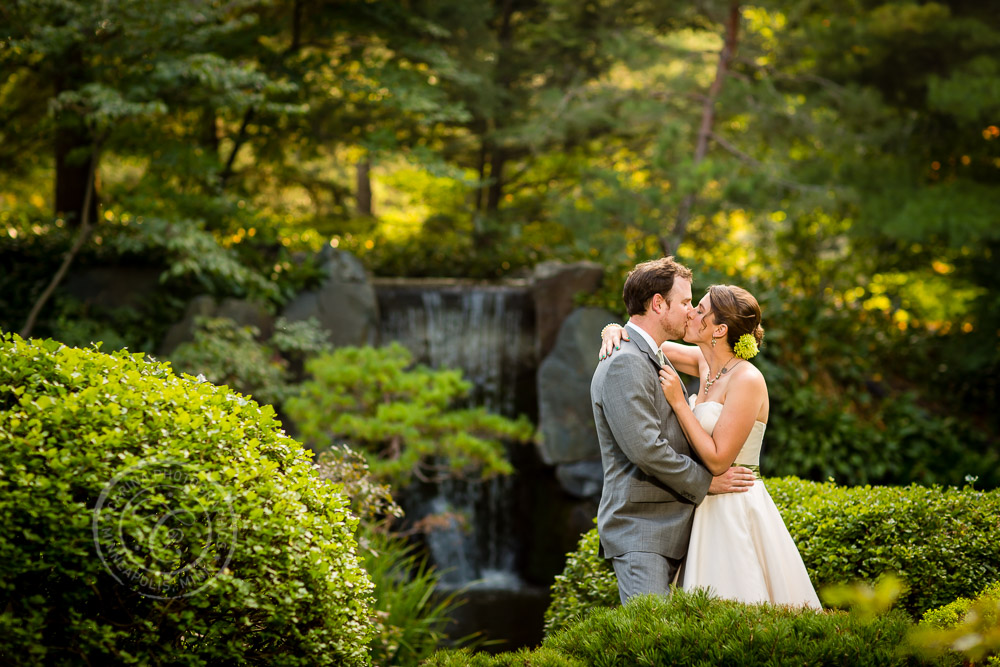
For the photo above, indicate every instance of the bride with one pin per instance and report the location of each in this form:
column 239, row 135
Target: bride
column 740, row 548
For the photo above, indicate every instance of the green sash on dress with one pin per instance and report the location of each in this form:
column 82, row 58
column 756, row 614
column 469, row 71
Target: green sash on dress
column 754, row 468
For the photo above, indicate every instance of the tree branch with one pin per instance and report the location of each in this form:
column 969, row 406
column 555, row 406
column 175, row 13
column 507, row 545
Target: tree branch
column 754, row 162
column 86, row 224
column 238, row 142
column 670, row 242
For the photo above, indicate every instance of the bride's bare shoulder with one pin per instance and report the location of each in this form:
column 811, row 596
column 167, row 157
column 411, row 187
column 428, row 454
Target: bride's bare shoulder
column 749, row 375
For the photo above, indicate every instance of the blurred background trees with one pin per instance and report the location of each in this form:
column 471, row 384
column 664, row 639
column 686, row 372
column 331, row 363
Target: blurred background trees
column 841, row 159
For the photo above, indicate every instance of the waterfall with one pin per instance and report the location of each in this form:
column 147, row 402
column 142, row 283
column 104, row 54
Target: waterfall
column 486, row 331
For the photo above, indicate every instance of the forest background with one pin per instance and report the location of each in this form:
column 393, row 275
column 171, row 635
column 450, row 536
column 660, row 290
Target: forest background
column 840, row 159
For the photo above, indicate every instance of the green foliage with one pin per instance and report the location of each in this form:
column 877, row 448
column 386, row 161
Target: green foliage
column 938, row 541
column 587, row 582
column 371, row 501
column 896, row 441
column 228, row 354
column 410, row 617
column 525, row 657
column 968, row 626
column 191, row 254
column 402, row 416
column 687, row 628
column 953, row 613
column 696, row 629
column 291, row 589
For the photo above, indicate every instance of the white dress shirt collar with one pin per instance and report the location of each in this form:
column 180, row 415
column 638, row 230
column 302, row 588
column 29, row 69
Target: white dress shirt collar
column 653, row 347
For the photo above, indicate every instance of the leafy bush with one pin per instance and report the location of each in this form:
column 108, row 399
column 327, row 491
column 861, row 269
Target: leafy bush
column 940, row 541
column 953, row 613
column 969, row 626
column 231, row 551
column 896, row 442
column 233, row 355
column 696, row 629
column 403, row 417
column 410, row 618
column 587, row 582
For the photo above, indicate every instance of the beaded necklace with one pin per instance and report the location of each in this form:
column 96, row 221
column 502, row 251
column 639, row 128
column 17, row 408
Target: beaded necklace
column 710, row 382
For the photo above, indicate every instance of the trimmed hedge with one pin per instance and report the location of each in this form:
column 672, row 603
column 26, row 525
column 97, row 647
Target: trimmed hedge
column 696, row 629
column 587, row 582
column 204, row 476
column 942, row 542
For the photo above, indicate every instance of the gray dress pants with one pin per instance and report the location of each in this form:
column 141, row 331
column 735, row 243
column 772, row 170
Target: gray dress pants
column 641, row 572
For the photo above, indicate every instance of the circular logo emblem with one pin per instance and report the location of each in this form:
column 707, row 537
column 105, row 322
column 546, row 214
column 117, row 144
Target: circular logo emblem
column 164, row 529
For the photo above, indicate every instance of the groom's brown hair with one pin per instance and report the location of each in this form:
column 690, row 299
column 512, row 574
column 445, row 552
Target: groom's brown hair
column 649, row 278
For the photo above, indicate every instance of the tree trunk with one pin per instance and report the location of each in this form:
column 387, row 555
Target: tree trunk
column 669, row 243
column 74, row 175
column 497, row 156
column 495, row 192
column 481, row 170
column 238, row 141
column 86, row 224
column 208, row 131
column 363, row 194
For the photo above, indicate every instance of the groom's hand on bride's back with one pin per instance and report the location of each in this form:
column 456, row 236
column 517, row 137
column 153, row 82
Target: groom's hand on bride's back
column 735, row 480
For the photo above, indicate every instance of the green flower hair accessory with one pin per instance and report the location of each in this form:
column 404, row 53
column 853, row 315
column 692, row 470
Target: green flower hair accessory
column 746, row 347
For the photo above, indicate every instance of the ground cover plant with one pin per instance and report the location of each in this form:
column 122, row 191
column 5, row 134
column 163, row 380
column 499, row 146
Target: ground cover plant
column 696, row 629
column 221, row 544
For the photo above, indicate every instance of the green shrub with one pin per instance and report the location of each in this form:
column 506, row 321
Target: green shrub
column 953, row 613
column 970, row 626
column 214, row 484
column 686, row 629
column 233, row 355
column 940, row 541
column 587, row 582
column 403, row 417
column 410, row 619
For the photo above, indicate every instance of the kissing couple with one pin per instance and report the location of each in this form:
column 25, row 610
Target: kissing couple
column 683, row 502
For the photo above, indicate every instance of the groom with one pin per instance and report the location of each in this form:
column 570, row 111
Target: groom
column 652, row 480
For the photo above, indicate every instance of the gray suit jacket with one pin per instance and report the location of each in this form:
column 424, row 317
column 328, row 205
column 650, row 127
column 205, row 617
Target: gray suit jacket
column 652, row 483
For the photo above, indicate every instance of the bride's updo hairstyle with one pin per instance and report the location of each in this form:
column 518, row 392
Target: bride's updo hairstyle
column 738, row 310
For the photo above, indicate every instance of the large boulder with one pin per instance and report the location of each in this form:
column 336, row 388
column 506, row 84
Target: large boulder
column 554, row 286
column 241, row 311
column 345, row 303
column 565, row 412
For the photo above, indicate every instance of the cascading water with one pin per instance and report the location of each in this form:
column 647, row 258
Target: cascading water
column 486, row 331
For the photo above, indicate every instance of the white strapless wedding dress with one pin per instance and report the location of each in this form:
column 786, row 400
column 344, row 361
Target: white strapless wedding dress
column 740, row 547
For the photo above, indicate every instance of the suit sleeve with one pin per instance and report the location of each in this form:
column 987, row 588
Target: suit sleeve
column 629, row 406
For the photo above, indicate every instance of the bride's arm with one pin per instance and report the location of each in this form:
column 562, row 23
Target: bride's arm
column 744, row 397
column 685, row 358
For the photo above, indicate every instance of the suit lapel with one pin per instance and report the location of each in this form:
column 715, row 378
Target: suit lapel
column 641, row 343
